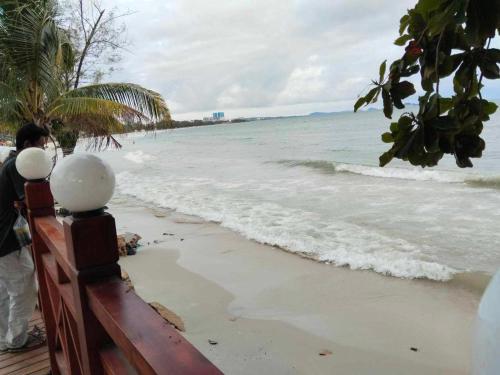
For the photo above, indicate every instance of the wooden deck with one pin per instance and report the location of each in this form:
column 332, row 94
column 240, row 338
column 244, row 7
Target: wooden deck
column 35, row 362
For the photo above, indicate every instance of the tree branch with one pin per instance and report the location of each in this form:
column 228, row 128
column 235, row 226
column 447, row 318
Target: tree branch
column 85, row 49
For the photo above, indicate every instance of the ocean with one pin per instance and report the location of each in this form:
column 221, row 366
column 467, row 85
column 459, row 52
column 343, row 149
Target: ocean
column 311, row 186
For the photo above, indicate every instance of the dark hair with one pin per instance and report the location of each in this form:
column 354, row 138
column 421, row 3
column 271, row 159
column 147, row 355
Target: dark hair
column 31, row 133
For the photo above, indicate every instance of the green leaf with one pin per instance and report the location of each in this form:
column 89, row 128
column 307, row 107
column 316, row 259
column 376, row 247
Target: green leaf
column 489, row 108
column 405, row 122
column 371, row 94
column 445, row 123
column 493, row 54
column 382, row 69
column 490, row 70
column 388, row 108
column 394, row 127
column 427, row 6
column 457, row 86
column 427, row 85
column 411, row 70
column 387, row 138
column 405, row 89
column 403, row 23
column 385, row 158
column 403, row 39
column 445, row 104
column 359, row 103
column 450, row 64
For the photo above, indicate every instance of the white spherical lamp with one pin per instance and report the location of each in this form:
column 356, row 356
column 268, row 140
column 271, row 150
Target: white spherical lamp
column 82, row 183
column 33, row 164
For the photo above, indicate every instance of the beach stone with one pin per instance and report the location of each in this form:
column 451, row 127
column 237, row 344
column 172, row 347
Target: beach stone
column 325, row 353
column 128, row 243
column 169, row 316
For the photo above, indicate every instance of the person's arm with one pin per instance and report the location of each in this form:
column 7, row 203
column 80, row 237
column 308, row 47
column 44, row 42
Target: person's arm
column 17, row 181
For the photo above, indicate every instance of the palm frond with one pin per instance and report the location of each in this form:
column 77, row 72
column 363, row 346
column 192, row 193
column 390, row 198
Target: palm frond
column 149, row 104
column 94, row 125
column 30, row 43
column 69, row 107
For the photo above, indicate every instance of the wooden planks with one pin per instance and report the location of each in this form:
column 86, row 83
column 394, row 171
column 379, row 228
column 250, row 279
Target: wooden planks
column 34, row 362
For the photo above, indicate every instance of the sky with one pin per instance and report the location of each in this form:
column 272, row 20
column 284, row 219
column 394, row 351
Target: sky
column 258, row 57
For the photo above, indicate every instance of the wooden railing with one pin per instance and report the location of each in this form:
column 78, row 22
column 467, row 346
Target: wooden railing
column 95, row 324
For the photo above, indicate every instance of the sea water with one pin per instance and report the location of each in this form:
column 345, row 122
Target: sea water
column 311, row 185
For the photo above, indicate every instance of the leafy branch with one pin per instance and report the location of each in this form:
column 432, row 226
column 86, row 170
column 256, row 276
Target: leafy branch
column 442, row 38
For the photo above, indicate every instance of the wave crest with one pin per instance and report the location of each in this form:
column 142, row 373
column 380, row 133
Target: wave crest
column 329, row 167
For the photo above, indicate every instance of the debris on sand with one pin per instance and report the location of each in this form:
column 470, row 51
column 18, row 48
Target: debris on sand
column 126, row 278
column 212, row 342
column 128, row 243
column 325, row 352
column 169, row 316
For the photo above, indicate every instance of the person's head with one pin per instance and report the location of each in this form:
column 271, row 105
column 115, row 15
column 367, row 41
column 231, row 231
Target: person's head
column 31, row 135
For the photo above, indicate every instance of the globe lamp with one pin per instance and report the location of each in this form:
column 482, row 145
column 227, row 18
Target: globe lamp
column 33, row 164
column 82, row 183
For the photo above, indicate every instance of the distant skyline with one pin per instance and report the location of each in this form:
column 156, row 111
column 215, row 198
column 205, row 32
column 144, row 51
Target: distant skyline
column 259, row 58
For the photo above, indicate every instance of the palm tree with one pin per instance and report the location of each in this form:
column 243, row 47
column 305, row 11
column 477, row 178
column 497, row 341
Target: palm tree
column 35, row 53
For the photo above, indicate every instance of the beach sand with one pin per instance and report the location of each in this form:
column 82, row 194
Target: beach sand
column 271, row 312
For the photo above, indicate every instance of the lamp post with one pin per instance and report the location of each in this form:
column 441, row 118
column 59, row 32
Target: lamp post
column 83, row 184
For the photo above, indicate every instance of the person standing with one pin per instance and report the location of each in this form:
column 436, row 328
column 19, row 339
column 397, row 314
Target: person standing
column 18, row 292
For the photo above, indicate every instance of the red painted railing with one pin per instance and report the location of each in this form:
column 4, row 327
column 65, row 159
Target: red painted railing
column 95, row 324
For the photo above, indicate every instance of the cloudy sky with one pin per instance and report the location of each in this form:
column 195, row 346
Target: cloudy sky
column 257, row 57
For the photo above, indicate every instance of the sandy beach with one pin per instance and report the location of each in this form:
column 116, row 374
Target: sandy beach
column 267, row 311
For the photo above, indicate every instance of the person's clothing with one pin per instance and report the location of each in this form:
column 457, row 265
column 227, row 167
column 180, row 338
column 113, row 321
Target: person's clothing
column 18, row 296
column 11, row 190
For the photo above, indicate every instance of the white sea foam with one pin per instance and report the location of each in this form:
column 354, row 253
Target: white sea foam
column 138, row 157
column 294, row 230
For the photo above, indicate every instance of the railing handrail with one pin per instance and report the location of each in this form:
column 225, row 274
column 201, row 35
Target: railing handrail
column 137, row 337
column 95, row 323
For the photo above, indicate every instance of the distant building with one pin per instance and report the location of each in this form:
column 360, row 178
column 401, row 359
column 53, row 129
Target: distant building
column 218, row 116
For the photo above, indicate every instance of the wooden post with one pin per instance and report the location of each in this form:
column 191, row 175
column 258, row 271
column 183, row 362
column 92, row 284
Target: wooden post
column 39, row 202
column 93, row 252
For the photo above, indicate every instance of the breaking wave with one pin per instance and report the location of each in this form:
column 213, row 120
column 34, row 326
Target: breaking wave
column 328, row 167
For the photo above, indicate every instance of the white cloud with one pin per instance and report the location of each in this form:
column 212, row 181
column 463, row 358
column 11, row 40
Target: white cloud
column 303, row 85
